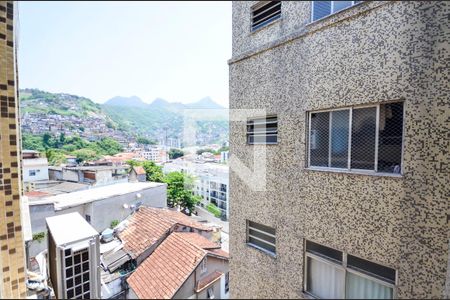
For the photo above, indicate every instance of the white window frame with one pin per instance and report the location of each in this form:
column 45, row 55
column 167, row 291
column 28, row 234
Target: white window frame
column 377, row 133
column 332, row 10
column 204, row 267
column 342, row 266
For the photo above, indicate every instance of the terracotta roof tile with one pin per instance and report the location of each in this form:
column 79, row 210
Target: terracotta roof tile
column 149, row 225
column 166, row 269
column 199, row 241
column 208, row 280
column 139, row 170
column 219, row 253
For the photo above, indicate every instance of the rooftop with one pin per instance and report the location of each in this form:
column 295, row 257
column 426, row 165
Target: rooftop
column 149, row 225
column 164, row 272
column 139, row 170
column 63, row 201
column 69, row 227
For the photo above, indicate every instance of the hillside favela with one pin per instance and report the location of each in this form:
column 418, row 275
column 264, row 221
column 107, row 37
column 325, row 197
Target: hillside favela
column 225, row 150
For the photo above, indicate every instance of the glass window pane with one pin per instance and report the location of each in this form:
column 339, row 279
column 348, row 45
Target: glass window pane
column 319, row 139
column 390, row 138
column 339, row 138
column 358, row 287
column 363, row 138
column 338, row 5
column 324, row 280
column 321, row 9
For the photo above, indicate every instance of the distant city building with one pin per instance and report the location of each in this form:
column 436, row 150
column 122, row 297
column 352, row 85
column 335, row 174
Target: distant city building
column 211, row 182
column 154, row 153
column 348, row 193
column 224, row 155
column 92, row 175
column 74, row 257
column 34, row 166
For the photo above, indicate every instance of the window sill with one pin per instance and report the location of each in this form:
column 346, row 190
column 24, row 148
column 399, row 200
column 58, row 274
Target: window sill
column 355, row 172
column 270, row 254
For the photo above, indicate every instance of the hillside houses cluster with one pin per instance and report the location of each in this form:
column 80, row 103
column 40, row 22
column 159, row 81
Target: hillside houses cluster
column 91, row 128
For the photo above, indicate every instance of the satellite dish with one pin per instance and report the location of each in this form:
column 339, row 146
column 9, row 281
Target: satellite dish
column 126, row 206
column 138, row 195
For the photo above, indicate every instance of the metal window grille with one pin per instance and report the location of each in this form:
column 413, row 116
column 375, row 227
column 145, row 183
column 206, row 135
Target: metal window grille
column 77, row 271
column 368, row 138
column 345, row 275
column 262, row 130
column 261, row 237
column 321, row 9
column 264, row 13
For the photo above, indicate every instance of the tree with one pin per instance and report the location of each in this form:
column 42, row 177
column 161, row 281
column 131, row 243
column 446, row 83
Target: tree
column 153, row 172
column 133, row 163
column 55, row 157
column 85, row 155
column 200, row 151
column 175, row 153
column 106, row 146
column 221, row 149
column 145, row 141
column 32, row 142
column 48, row 141
column 179, row 191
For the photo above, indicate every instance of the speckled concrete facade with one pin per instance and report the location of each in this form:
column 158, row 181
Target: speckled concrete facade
column 12, row 259
column 370, row 53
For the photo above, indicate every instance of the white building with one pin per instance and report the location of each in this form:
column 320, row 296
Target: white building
column 156, row 154
column 34, row 166
column 211, row 182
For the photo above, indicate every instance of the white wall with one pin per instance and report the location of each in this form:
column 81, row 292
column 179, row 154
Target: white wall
column 38, row 165
column 102, row 212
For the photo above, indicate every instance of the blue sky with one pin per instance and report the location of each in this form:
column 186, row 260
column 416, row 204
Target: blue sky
column 174, row 50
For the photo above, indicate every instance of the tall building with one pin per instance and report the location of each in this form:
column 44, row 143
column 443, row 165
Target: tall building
column 12, row 258
column 354, row 100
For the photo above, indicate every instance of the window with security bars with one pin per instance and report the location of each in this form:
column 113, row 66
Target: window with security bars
column 261, row 237
column 77, row 273
column 321, row 9
column 262, row 130
column 265, row 13
column 366, row 138
column 332, row 274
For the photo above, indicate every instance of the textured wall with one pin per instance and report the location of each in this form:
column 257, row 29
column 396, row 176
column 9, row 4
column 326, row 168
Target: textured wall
column 12, row 261
column 370, row 53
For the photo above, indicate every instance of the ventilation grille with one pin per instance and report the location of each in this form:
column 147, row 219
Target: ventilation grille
column 265, row 13
column 262, row 130
column 77, row 274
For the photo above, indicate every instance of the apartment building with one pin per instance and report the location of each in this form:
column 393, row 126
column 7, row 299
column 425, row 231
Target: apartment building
column 12, row 252
column 211, row 182
column 353, row 104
